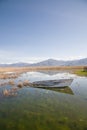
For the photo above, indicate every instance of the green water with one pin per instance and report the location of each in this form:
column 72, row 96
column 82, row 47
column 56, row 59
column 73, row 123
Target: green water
column 39, row 109
column 43, row 109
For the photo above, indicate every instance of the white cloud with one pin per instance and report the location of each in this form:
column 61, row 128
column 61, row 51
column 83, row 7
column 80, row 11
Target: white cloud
column 8, row 57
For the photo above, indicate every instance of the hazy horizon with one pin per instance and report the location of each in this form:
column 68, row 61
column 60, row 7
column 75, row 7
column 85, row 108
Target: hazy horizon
column 33, row 31
column 37, row 60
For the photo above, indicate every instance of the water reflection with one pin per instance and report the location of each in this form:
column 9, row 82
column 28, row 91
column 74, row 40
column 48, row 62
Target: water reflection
column 54, row 72
column 66, row 90
column 37, row 76
column 40, row 109
column 78, row 86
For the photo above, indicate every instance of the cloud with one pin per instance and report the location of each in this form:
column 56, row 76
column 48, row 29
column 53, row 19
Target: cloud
column 8, row 57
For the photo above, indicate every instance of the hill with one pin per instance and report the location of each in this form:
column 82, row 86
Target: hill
column 49, row 62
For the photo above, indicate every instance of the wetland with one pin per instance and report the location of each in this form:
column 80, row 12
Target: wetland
column 27, row 107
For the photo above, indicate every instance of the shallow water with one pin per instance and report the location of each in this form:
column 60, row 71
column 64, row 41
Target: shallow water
column 43, row 109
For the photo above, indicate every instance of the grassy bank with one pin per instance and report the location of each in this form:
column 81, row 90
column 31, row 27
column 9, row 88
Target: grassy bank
column 81, row 73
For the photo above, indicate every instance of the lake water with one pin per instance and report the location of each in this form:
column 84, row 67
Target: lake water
column 43, row 109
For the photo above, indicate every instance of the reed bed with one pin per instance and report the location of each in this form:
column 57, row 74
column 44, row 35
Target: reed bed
column 25, row 69
column 14, row 72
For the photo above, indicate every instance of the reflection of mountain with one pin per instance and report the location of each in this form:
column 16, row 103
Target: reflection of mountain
column 53, row 72
column 49, row 72
column 66, row 90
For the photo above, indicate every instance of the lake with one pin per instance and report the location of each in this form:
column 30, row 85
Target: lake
column 45, row 109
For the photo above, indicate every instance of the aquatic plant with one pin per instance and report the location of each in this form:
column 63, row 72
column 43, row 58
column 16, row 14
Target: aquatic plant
column 26, row 83
column 5, row 92
column 20, row 85
column 11, row 82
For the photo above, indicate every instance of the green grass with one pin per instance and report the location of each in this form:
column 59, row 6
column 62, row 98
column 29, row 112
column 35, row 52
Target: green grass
column 81, row 73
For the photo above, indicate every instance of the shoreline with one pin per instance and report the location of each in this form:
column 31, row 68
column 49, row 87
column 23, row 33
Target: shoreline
column 14, row 72
column 22, row 69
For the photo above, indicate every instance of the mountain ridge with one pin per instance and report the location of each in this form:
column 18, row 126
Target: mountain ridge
column 49, row 62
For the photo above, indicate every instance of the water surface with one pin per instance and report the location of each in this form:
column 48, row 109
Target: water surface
column 43, row 109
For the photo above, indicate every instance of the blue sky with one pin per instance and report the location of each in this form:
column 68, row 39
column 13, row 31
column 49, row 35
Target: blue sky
column 34, row 30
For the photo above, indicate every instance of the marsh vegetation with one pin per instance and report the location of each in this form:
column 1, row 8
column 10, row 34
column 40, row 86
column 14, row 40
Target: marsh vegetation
column 25, row 107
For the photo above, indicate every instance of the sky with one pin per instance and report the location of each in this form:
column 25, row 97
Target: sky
column 35, row 30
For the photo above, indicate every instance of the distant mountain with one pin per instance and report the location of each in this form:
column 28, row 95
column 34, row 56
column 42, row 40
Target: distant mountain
column 50, row 62
column 80, row 62
column 19, row 64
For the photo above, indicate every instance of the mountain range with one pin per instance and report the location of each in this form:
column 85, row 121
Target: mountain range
column 49, row 62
